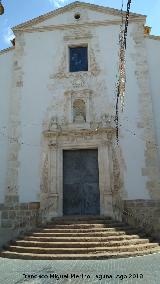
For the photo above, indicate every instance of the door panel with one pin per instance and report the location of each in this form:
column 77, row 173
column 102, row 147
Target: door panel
column 72, row 199
column 91, row 199
column 81, row 182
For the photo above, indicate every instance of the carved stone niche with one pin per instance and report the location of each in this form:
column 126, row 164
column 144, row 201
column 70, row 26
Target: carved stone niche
column 78, row 109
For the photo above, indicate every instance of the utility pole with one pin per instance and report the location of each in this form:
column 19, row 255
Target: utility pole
column 1, row 9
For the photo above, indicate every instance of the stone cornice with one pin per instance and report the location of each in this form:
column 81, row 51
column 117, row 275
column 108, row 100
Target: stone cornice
column 152, row 37
column 84, row 92
column 77, row 36
column 7, row 50
column 74, row 26
column 71, row 6
column 81, row 132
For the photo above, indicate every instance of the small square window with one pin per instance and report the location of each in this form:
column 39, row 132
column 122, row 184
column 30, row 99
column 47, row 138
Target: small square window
column 78, row 59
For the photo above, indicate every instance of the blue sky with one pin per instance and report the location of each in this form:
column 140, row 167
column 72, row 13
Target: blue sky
column 18, row 11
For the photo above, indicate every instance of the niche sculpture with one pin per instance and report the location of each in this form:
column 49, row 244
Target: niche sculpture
column 79, row 111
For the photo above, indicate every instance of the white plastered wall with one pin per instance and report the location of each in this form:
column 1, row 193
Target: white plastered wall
column 153, row 52
column 5, row 88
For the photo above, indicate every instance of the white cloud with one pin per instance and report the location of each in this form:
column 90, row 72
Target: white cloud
column 58, row 3
column 8, row 35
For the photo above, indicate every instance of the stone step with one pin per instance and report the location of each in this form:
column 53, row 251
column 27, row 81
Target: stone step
column 110, row 249
column 86, row 234
column 80, row 244
column 80, row 218
column 85, row 230
column 84, row 225
column 89, row 256
column 82, row 239
column 92, row 221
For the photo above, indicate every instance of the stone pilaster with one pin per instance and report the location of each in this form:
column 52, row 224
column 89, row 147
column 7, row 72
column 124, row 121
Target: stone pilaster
column 105, row 179
column 12, row 186
column 152, row 168
column 53, row 194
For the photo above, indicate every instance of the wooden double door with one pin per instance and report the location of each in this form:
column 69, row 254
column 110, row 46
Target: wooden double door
column 81, row 194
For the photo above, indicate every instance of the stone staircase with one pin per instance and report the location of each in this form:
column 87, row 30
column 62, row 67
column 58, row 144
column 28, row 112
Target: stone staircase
column 81, row 238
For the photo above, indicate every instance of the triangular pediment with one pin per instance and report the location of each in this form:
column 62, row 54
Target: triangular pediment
column 65, row 15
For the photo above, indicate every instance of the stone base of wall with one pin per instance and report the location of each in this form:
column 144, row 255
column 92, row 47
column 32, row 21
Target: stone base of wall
column 19, row 216
column 17, row 219
column 11, row 199
column 143, row 214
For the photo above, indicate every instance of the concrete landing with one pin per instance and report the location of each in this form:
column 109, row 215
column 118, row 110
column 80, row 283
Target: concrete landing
column 136, row 270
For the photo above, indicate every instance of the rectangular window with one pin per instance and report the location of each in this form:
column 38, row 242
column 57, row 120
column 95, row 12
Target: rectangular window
column 78, row 59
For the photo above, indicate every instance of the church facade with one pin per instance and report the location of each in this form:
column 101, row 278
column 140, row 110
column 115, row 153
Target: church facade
column 58, row 147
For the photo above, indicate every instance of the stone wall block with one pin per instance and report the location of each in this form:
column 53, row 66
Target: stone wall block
column 144, row 214
column 24, row 206
column 5, row 214
column 12, row 214
column 34, row 205
column 6, row 223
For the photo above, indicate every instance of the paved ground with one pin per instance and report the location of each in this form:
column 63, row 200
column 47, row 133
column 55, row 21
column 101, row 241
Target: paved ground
column 135, row 270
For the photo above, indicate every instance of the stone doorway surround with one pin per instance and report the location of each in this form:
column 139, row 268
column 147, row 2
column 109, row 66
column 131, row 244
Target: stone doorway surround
column 61, row 139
